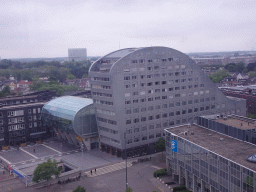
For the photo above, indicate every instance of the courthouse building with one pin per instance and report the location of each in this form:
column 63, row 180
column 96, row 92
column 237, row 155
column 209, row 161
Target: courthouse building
column 138, row 92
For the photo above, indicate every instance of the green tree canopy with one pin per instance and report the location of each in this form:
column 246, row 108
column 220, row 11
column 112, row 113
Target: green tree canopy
column 46, row 170
column 70, row 76
column 79, row 189
column 129, row 189
column 6, row 91
column 219, row 75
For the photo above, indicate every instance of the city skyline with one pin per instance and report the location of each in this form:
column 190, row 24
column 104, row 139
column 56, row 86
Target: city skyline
column 47, row 29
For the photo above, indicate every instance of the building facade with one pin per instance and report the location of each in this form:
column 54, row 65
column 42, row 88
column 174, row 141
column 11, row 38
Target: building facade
column 137, row 92
column 77, row 54
column 205, row 160
column 73, row 120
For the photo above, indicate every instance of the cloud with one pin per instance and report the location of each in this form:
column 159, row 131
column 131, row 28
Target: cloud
column 48, row 28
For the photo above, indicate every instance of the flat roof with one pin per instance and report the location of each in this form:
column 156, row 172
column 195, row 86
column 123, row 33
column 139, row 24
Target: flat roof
column 229, row 148
column 21, row 105
column 16, row 98
column 238, row 123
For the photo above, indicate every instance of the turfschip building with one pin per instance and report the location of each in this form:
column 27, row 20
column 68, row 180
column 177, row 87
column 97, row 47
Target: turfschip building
column 137, row 92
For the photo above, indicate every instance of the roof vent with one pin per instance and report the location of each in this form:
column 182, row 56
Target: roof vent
column 225, row 118
column 185, row 132
column 221, row 139
column 192, row 133
column 252, row 159
column 210, row 134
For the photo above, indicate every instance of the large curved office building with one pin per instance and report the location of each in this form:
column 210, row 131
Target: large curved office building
column 73, row 120
column 137, row 92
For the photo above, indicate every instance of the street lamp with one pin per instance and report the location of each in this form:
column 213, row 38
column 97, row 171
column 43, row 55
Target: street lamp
column 126, row 184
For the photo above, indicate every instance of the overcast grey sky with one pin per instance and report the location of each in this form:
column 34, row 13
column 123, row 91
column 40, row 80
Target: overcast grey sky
column 47, row 28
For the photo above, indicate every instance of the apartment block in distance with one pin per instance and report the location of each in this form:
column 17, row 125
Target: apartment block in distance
column 138, row 92
column 77, row 54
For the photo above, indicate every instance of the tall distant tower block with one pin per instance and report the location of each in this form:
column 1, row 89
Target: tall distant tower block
column 138, row 92
column 77, row 54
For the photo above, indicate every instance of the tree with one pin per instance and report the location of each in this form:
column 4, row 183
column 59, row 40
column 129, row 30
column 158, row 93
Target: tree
column 129, row 189
column 70, row 76
column 6, row 91
column 160, row 145
column 231, row 68
column 46, row 170
column 219, row 75
column 240, row 67
column 79, row 189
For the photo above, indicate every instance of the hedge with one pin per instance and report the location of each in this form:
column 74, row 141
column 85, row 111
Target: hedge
column 160, row 172
column 180, row 189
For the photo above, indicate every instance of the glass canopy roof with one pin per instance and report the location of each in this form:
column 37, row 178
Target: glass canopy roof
column 66, row 107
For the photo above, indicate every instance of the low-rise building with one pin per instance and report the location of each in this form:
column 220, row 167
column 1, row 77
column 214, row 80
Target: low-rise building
column 210, row 160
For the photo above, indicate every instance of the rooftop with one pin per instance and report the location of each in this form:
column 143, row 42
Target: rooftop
column 234, row 121
column 227, row 147
column 22, row 105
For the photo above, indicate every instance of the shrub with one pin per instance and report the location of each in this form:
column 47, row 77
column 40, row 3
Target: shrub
column 160, row 172
column 180, row 189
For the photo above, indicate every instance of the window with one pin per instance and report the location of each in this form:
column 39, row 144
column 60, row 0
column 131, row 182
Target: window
column 141, row 61
column 177, row 88
column 127, row 86
column 127, row 102
column 170, row 74
column 213, row 98
column 201, row 108
column 144, row 128
column 149, row 76
column 184, row 103
column 183, row 73
column 157, row 98
column 213, row 106
column 177, row 121
column 127, row 78
column 157, row 90
column 202, row 100
column 158, row 116
column 190, row 110
column 201, row 85
column 150, row 91
column 183, row 87
column 177, row 104
column 207, row 99
column 177, row 95
column 137, row 120
column 163, row 82
column 134, row 85
column 30, row 125
column 29, row 111
column 150, row 84
column 196, row 85
column 135, row 101
column 157, row 83
column 128, row 111
column 171, row 105
column 150, row 99
column 30, row 118
column 164, row 90
column 171, row 114
column 150, row 108
column 151, row 127
column 151, row 136
column 35, row 124
column 171, row 123
column 142, row 84
column 165, row 106
column 127, row 94
column 164, row 115
column 156, row 67
column 150, row 117
column 143, row 109
column 142, row 100
column 164, row 97
column 177, row 112
column 142, row 76
column 143, row 119
column 177, row 80
column 184, row 112
column 156, row 75
column 195, row 109
column 170, row 89
column 190, row 102
column 135, row 93
column 207, row 107
column 128, row 121
column 196, row 101
column 136, row 110
column 177, row 73
column 164, row 75
column 150, row 68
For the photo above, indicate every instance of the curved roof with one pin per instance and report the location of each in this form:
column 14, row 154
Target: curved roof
column 66, row 107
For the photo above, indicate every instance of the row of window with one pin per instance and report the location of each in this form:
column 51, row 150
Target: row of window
column 100, row 86
column 17, row 134
column 100, row 78
column 144, row 138
column 19, row 101
column 154, row 60
column 102, row 102
column 35, row 124
column 171, row 74
column 14, row 120
column 109, row 139
column 107, row 112
column 16, row 127
column 101, row 94
column 106, row 120
column 15, row 113
column 38, row 130
column 34, row 110
column 107, row 130
column 34, row 117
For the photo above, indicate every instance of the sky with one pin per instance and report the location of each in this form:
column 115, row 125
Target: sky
column 47, row 28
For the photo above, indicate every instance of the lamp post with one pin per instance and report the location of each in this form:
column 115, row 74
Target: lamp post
column 126, row 184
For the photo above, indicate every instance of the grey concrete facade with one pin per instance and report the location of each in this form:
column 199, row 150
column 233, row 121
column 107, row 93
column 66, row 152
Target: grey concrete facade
column 138, row 92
